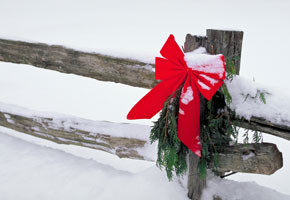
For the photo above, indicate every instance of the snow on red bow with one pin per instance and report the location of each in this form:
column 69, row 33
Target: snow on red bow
column 199, row 72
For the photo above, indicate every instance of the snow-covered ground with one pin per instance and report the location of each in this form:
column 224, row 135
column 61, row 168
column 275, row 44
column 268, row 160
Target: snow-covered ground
column 135, row 29
column 33, row 169
column 30, row 171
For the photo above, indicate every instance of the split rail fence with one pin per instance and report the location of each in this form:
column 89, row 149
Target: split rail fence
column 266, row 160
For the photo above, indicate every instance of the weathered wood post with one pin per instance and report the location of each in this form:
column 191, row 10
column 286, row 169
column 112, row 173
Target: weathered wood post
column 228, row 43
column 195, row 184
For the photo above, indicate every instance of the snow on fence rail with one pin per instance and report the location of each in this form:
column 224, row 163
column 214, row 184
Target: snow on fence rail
column 126, row 140
column 123, row 140
column 249, row 111
column 66, row 60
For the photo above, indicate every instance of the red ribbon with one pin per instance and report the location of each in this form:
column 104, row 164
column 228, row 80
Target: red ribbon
column 203, row 73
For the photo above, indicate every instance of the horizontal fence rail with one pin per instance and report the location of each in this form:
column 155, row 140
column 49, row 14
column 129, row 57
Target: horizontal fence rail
column 66, row 60
column 122, row 139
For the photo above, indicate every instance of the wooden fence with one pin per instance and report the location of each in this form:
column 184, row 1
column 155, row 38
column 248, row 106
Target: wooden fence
column 266, row 160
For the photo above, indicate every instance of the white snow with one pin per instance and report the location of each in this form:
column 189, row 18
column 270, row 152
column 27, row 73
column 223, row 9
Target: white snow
column 211, row 80
column 199, row 50
column 54, row 99
column 198, row 60
column 41, row 79
column 250, row 155
column 246, row 101
column 124, row 164
column 147, row 67
column 8, row 118
column 133, row 29
column 204, row 62
column 181, row 111
column 32, row 172
column 137, row 131
column 54, row 171
column 233, row 190
column 55, row 92
column 128, row 29
column 203, row 85
column 186, row 96
column 197, row 152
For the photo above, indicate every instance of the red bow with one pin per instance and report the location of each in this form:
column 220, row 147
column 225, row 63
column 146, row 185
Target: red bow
column 199, row 72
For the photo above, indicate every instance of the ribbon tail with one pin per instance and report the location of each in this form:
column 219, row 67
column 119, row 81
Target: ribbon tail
column 188, row 117
column 153, row 101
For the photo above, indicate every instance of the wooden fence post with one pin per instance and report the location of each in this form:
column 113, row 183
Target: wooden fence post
column 195, row 184
column 228, row 43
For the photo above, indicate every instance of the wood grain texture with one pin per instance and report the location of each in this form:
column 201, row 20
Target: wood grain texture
column 228, row 43
column 59, row 132
column 93, row 65
column 264, row 158
column 263, row 125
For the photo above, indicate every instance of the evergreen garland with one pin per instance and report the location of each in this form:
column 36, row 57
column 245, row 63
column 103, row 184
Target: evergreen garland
column 218, row 132
column 171, row 151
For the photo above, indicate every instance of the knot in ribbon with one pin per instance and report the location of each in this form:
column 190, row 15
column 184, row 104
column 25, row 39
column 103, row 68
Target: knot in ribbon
column 199, row 72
